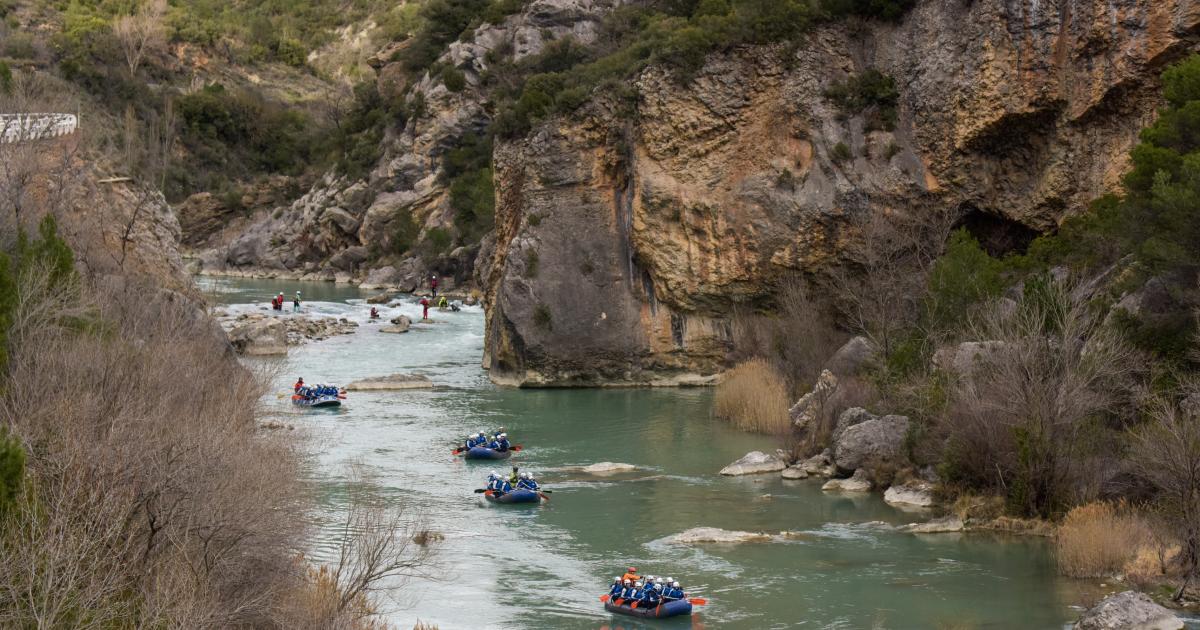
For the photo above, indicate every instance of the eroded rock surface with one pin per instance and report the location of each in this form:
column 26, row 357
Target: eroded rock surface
column 754, row 463
column 1129, row 610
column 393, row 382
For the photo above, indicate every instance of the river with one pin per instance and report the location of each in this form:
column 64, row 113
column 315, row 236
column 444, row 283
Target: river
column 545, row 566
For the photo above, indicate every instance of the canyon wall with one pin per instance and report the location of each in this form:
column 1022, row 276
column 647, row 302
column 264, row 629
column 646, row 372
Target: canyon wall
column 627, row 233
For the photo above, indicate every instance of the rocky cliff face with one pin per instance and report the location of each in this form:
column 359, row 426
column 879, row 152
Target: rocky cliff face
column 345, row 229
column 624, row 240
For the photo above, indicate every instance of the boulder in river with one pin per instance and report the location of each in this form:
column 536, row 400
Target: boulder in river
column 606, row 468
column 754, row 463
column 856, row 483
column 914, row 493
column 259, row 337
column 1130, row 610
column 820, row 465
column 862, row 438
column 698, row 535
column 391, row 383
column 794, row 472
column 947, row 524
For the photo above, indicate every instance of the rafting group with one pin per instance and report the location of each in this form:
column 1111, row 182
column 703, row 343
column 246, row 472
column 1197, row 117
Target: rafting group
column 647, row 597
column 653, row 597
column 319, row 395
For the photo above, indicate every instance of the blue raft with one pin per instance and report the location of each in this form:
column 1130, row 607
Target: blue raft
column 331, row 400
column 483, row 452
column 520, row 495
column 669, row 609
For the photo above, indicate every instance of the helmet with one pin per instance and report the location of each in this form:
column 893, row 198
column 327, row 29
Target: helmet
column 638, row 584
column 503, row 435
column 669, row 580
column 524, row 475
column 674, row 584
column 481, row 434
column 628, row 583
column 617, row 579
column 631, row 570
column 493, row 473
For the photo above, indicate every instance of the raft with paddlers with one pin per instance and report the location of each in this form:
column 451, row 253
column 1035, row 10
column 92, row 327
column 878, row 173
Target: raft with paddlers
column 483, row 452
column 519, row 495
column 317, row 395
column 661, row 611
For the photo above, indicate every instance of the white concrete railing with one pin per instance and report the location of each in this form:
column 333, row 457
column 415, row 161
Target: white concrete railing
column 29, row 127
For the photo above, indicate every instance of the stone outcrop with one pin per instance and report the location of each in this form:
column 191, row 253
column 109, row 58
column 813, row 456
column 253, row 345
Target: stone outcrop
column 400, row 324
column 852, row 357
column 714, row 535
column 913, row 493
column 624, row 243
column 1129, row 610
column 754, row 463
column 259, row 337
column 965, row 358
column 858, row 482
column 862, row 439
column 394, row 382
column 944, row 525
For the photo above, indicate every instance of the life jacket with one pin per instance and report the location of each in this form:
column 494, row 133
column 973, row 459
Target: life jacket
column 630, row 575
column 616, row 590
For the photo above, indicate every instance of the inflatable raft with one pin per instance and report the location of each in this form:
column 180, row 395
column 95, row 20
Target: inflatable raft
column 519, row 495
column 483, row 452
column 669, row 609
column 331, row 400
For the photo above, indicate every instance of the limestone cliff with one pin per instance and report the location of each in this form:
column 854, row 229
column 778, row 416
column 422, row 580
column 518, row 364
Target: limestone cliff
column 624, row 239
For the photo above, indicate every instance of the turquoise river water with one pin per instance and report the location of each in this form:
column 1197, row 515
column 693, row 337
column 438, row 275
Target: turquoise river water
column 545, row 566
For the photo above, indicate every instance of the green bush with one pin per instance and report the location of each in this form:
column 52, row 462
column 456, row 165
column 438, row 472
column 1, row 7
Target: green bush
column 405, row 232
column 19, row 45
column 870, row 92
column 963, row 276
column 6, row 78
column 439, row 240
column 230, row 128
column 12, row 472
column 454, row 79
column 891, row 10
column 841, row 152
column 291, row 52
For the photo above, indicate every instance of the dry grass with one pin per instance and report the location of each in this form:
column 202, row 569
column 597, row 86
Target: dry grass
column 754, row 397
column 1099, row 539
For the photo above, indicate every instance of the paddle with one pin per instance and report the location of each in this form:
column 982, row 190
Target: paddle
column 698, row 601
column 605, row 598
column 543, row 495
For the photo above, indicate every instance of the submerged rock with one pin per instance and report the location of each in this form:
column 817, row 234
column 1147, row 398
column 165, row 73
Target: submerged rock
column 820, row 465
column 942, row 525
column 1128, row 611
column 754, row 463
column 910, row 493
column 716, row 535
column 392, row 382
column 606, row 468
column 856, row 483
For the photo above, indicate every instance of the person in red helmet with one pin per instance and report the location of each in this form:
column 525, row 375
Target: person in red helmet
column 425, row 306
column 298, row 385
column 630, row 575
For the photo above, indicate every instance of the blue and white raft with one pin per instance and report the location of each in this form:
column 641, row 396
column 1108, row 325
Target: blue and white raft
column 517, row 495
column 670, row 609
column 483, row 452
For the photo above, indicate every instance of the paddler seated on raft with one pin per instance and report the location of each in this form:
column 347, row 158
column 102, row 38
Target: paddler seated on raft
column 514, row 476
column 502, row 443
column 673, row 592
column 298, row 385
column 527, row 482
column 617, row 587
column 629, row 591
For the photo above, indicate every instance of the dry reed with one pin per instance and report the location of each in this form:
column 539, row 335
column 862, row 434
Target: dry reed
column 1099, row 539
column 754, row 397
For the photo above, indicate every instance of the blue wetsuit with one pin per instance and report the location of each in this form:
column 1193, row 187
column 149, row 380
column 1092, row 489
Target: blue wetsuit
column 502, row 444
column 615, row 591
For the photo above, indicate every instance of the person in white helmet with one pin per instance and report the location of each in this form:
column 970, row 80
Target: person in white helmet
column 502, row 443
column 296, row 302
column 673, row 592
column 617, row 587
column 629, row 591
column 493, row 481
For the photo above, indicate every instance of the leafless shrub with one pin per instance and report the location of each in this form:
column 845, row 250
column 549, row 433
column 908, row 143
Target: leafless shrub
column 141, row 32
column 880, row 294
column 1166, row 453
column 1027, row 422
column 798, row 337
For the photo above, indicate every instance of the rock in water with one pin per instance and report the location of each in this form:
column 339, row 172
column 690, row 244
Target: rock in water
column 607, row 468
column 910, row 493
column 381, row 298
column 857, row 483
column 943, row 525
column 260, row 337
column 754, row 463
column 819, row 465
column 400, row 324
column 1128, row 611
column 392, row 382
column 794, row 472
column 716, row 535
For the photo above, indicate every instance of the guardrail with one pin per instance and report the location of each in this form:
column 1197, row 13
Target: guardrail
column 30, row 127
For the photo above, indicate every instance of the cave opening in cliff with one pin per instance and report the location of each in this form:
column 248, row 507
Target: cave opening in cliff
column 997, row 235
